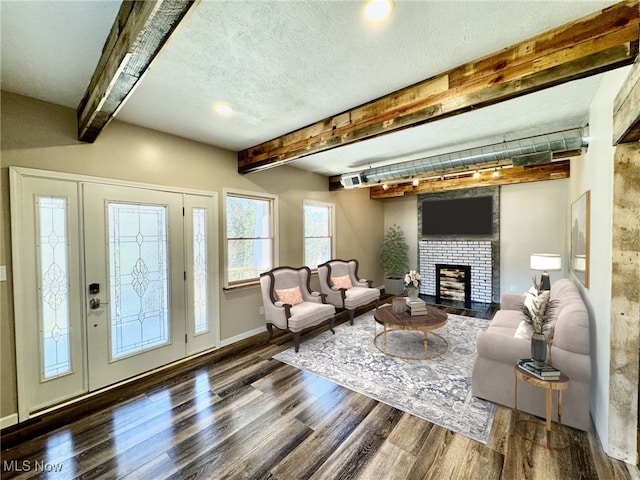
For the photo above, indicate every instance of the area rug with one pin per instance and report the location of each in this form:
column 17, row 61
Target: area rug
column 436, row 390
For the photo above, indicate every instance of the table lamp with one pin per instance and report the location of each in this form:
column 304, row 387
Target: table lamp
column 545, row 262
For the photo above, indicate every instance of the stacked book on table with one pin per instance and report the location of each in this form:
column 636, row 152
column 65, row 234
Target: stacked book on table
column 416, row 307
column 544, row 371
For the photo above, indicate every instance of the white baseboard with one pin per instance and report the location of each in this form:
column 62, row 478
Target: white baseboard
column 242, row 336
column 8, row 420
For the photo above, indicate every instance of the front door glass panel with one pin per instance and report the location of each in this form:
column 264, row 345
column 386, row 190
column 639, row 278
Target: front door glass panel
column 138, row 266
column 54, row 287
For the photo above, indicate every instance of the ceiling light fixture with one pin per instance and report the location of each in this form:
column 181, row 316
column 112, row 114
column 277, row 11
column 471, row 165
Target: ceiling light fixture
column 223, row 109
column 416, row 182
column 377, row 10
column 385, row 186
column 476, row 174
column 495, row 173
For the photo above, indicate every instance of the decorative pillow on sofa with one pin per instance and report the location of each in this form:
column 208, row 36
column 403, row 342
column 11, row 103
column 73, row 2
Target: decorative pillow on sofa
column 292, row 296
column 524, row 331
column 529, row 296
column 534, row 298
column 341, row 282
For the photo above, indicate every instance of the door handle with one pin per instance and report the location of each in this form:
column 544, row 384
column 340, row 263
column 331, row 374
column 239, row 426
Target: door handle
column 95, row 303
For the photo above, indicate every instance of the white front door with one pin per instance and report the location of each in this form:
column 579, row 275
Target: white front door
column 135, row 281
column 110, row 281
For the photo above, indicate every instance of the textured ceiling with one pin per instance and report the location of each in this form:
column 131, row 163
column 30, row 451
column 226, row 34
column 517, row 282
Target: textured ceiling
column 49, row 50
column 284, row 65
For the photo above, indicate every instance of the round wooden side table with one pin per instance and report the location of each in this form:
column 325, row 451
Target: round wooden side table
column 550, row 386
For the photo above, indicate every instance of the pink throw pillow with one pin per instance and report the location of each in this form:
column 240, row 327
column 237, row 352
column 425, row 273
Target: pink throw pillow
column 341, row 282
column 292, row 296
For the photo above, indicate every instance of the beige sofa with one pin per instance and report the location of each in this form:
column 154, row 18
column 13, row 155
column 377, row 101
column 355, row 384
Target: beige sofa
column 497, row 351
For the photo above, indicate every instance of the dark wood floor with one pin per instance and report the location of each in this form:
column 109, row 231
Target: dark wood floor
column 248, row 416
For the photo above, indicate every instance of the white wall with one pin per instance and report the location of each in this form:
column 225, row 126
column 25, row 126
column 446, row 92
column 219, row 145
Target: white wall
column 403, row 211
column 533, row 219
column 595, row 173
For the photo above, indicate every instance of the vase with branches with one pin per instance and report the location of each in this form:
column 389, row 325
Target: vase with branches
column 539, row 314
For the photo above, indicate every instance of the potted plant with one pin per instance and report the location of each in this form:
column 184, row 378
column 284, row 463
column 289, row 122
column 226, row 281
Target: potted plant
column 395, row 260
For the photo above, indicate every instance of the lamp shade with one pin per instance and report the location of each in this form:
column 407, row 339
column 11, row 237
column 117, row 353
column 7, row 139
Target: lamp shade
column 545, row 261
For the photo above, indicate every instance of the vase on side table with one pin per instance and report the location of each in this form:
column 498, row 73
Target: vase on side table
column 399, row 305
column 412, row 293
column 539, row 348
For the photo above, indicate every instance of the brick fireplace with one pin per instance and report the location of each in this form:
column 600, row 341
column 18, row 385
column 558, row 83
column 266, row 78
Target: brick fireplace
column 475, row 254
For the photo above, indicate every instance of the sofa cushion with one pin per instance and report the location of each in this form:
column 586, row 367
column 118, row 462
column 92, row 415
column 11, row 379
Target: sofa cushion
column 509, row 319
column 572, row 318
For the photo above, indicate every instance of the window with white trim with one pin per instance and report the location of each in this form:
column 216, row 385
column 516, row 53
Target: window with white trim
column 319, row 241
column 250, row 236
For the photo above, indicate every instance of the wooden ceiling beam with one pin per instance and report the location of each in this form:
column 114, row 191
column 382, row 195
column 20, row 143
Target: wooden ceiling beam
column 137, row 35
column 507, row 176
column 599, row 42
column 626, row 109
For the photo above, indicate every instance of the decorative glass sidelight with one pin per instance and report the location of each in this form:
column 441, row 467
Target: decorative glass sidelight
column 200, row 297
column 54, row 286
column 139, row 278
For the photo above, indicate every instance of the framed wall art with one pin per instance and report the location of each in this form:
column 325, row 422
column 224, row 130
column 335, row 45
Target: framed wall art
column 580, row 219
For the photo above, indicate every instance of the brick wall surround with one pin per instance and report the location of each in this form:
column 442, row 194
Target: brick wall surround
column 476, row 254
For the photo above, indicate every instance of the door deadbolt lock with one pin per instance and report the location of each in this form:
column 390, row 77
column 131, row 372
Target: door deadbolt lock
column 94, row 303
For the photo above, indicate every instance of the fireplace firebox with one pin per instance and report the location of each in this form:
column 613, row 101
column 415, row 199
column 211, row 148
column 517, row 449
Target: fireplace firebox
column 453, row 282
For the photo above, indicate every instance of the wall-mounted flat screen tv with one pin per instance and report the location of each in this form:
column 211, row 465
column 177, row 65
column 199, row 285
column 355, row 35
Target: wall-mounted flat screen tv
column 458, row 216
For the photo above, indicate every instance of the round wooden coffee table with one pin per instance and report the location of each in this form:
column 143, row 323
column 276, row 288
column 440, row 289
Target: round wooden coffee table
column 391, row 321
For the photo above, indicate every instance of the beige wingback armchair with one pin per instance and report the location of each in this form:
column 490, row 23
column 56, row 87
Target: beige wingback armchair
column 339, row 281
column 289, row 303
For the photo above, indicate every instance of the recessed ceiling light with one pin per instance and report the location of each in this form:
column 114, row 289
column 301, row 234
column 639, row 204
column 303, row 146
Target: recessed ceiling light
column 377, row 10
column 223, row 109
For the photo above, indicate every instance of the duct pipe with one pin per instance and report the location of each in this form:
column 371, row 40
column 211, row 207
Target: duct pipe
column 527, row 147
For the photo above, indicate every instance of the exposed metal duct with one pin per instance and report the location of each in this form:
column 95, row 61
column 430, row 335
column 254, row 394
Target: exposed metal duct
column 525, row 151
